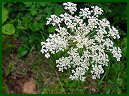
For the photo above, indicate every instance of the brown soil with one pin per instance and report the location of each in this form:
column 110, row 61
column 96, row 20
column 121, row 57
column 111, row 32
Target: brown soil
column 21, row 80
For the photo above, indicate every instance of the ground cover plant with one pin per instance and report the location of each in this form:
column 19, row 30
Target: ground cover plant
column 24, row 28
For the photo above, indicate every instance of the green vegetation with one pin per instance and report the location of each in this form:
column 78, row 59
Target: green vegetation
column 23, row 28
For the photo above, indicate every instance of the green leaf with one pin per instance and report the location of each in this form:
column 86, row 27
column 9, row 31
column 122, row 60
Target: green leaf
column 4, row 88
column 108, row 91
column 67, row 83
column 35, row 26
column 8, row 29
column 9, row 68
column 48, row 11
column 51, row 29
column 33, row 12
column 28, row 4
column 43, row 4
column 41, row 25
column 22, row 51
column 119, row 81
column 4, row 15
column 59, row 11
column 124, row 47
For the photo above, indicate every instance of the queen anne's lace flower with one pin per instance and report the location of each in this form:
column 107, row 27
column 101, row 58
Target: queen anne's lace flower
column 85, row 32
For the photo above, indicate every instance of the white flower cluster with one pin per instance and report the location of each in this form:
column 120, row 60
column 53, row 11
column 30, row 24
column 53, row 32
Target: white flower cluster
column 71, row 7
column 86, row 32
column 54, row 44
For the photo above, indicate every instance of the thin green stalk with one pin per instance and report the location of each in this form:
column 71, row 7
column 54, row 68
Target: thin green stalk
column 58, row 78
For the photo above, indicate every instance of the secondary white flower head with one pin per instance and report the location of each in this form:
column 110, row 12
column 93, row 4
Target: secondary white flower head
column 97, row 11
column 53, row 20
column 71, row 7
column 87, row 39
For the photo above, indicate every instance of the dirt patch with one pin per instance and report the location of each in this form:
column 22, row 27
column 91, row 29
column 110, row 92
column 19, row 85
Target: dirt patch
column 18, row 81
column 29, row 87
column 15, row 84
